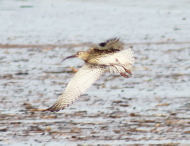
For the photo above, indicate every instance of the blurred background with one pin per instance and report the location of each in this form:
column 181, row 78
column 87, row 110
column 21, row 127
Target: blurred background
column 151, row 107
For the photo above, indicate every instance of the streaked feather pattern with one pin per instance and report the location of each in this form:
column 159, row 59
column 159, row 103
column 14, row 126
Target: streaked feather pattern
column 78, row 84
column 107, row 56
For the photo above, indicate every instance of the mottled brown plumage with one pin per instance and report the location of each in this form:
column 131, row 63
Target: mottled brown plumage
column 107, row 56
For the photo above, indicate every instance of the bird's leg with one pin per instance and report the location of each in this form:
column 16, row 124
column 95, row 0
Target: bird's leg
column 124, row 75
column 128, row 71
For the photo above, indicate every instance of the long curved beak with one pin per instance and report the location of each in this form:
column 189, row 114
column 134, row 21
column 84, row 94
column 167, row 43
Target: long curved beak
column 70, row 57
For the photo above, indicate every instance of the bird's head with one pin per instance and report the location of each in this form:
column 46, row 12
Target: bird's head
column 82, row 55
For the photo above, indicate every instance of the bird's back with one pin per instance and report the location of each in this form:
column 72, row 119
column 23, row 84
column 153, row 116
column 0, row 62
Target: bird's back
column 110, row 52
column 104, row 49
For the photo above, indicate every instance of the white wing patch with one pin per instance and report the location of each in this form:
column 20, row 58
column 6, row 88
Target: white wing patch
column 118, row 61
column 78, row 84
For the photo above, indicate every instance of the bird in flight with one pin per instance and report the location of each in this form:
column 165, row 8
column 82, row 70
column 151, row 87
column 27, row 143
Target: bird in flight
column 107, row 56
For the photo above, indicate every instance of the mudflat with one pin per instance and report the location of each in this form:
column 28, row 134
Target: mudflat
column 150, row 107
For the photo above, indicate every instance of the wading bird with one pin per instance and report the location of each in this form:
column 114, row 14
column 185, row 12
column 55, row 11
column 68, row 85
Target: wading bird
column 107, row 56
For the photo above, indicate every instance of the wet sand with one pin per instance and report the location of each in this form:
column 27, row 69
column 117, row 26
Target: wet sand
column 149, row 108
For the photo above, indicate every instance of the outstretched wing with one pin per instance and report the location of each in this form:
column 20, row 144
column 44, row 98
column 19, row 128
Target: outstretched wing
column 78, row 84
column 113, row 44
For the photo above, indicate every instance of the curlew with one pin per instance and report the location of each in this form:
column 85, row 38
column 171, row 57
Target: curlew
column 107, row 56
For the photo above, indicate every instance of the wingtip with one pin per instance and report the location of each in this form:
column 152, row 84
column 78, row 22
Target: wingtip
column 47, row 110
column 55, row 108
column 51, row 110
column 116, row 39
column 113, row 39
